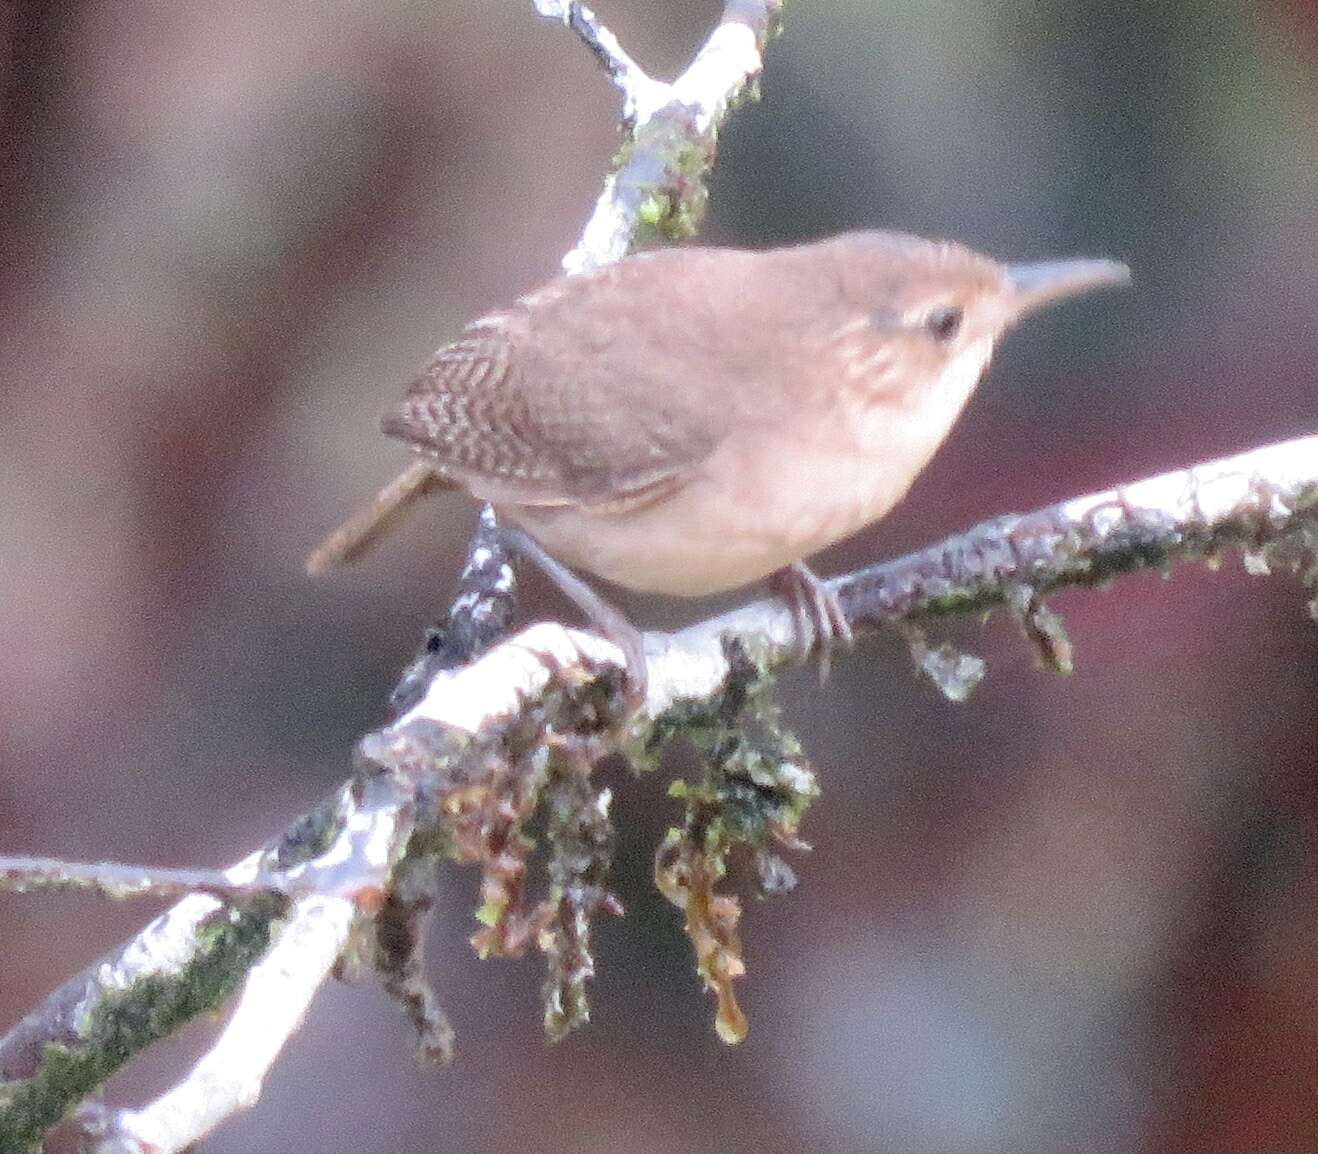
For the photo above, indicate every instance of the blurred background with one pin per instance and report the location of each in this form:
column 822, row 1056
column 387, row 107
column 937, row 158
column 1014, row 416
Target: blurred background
column 1073, row 914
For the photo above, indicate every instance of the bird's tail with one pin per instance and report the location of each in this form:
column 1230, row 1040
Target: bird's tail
column 392, row 503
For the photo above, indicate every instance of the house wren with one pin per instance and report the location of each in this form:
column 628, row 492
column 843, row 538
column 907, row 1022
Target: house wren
column 689, row 420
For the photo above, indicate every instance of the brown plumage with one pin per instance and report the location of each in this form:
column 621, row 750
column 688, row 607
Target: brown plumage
column 692, row 419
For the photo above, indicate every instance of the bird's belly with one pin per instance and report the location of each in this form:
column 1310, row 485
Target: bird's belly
column 737, row 522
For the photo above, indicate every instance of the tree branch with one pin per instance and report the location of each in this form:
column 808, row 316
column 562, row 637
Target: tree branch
column 550, row 684
column 656, row 189
column 1264, row 502
column 228, row 1078
column 474, row 743
column 191, row 959
column 638, row 90
column 25, row 875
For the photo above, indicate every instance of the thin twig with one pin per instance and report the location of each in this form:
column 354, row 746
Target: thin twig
column 656, row 190
column 24, row 875
column 478, row 617
column 638, row 90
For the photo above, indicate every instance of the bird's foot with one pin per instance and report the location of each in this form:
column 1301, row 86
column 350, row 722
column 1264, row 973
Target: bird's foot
column 609, row 621
column 821, row 625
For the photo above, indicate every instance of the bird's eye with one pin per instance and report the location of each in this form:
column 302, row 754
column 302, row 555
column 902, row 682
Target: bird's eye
column 944, row 322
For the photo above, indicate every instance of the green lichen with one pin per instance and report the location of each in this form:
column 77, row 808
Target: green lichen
column 1132, row 551
column 125, row 1022
column 753, row 793
column 705, row 720
column 490, row 913
column 664, row 168
column 581, row 842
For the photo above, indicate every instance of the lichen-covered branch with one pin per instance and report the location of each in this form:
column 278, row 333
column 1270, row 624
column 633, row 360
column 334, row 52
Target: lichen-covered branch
column 472, row 754
column 191, row 959
column 271, row 1006
column 491, row 741
column 704, row 681
column 1263, row 502
column 656, row 189
column 24, row 875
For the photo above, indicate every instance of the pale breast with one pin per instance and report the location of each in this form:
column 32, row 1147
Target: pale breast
column 751, row 510
column 767, row 496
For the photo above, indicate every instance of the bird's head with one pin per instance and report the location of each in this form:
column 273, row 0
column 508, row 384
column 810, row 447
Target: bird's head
column 927, row 314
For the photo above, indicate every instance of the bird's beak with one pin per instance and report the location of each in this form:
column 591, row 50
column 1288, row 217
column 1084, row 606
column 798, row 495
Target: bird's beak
column 1036, row 285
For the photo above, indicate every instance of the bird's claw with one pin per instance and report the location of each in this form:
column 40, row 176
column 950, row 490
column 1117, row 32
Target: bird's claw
column 821, row 624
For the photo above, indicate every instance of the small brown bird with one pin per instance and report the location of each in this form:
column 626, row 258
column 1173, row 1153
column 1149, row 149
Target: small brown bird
column 693, row 419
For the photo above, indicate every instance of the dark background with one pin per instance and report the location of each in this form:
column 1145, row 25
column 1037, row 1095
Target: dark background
column 1074, row 914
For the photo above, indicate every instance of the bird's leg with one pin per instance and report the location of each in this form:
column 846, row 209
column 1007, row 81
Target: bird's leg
column 820, row 622
column 610, row 622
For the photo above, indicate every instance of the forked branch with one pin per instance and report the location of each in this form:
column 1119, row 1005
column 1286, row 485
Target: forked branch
column 485, row 729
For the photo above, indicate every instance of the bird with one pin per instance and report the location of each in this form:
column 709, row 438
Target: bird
column 690, row 420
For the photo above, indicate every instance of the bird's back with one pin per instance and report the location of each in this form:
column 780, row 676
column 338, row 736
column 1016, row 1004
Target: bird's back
column 611, row 386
